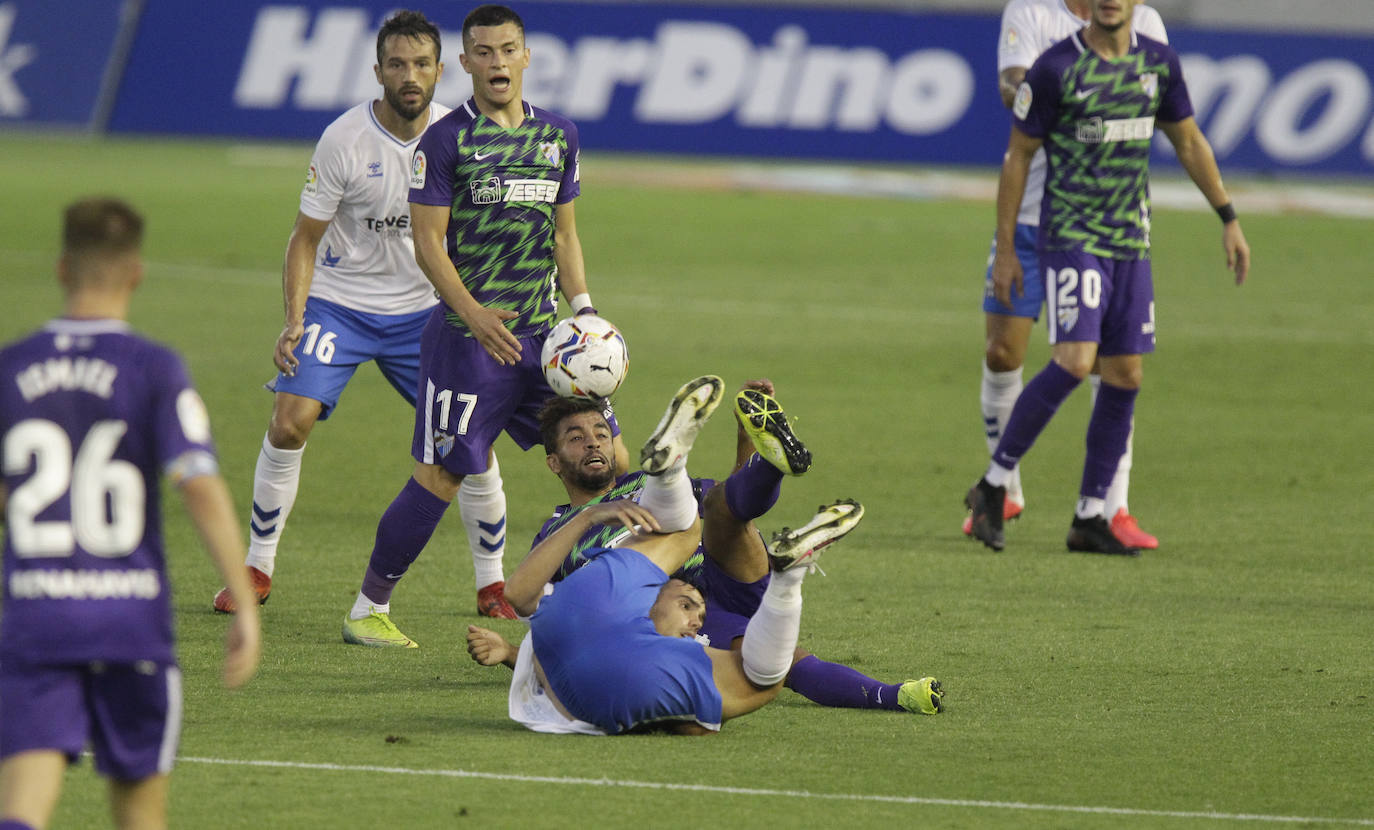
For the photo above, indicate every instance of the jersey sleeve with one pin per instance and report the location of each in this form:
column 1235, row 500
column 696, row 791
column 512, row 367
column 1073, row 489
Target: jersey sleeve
column 1037, row 100
column 1174, row 103
column 183, row 444
column 1148, row 23
column 1018, row 43
column 326, row 180
column 433, row 163
column 571, row 186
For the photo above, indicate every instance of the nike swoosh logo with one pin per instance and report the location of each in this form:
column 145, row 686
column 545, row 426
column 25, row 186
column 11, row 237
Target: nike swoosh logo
column 1083, row 93
column 482, row 156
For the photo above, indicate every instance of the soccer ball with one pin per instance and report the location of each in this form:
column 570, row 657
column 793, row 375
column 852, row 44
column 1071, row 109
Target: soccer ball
column 585, row 357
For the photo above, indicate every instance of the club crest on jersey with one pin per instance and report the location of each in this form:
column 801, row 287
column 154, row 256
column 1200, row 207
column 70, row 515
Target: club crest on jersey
column 1149, row 82
column 443, row 443
column 551, row 152
column 418, row 163
column 1068, row 317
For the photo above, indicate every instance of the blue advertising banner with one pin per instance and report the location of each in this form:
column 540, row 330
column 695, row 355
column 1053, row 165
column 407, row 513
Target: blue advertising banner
column 774, row 81
column 53, row 59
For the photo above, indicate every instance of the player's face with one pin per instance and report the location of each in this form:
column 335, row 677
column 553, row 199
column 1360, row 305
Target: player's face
column 584, row 458
column 1111, row 15
column 679, row 610
column 408, row 73
column 496, row 58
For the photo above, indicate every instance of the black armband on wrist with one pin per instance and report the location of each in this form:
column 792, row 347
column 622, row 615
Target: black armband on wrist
column 1227, row 212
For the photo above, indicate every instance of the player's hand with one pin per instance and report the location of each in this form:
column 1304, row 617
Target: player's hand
column 1006, row 276
column 623, row 512
column 285, row 356
column 488, row 325
column 1237, row 250
column 487, row 648
column 242, row 647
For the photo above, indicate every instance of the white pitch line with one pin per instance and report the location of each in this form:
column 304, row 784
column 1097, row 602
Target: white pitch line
column 860, row 797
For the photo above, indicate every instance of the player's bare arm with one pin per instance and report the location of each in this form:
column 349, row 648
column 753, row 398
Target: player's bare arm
column 567, row 252
column 525, row 586
column 1008, row 81
column 298, row 271
column 429, row 226
column 1011, row 186
column 487, row 648
column 1195, row 154
column 211, row 509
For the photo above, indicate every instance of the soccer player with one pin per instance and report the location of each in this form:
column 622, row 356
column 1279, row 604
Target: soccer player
column 612, row 647
column 92, row 416
column 354, row 293
column 491, row 191
column 1093, row 101
column 730, row 568
column 1029, row 27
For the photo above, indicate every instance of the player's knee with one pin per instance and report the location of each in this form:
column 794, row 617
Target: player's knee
column 1002, row 356
column 286, row 433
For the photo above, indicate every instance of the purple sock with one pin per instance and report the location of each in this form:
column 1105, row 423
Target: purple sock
column 1034, row 409
column 402, row 533
column 753, row 489
column 831, row 684
column 14, row 824
column 1109, row 429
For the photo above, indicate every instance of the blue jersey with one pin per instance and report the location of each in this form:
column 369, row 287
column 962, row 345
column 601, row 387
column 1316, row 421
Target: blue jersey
column 628, row 486
column 1097, row 117
column 91, row 416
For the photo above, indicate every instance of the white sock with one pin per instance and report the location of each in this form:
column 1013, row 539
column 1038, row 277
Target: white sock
column 999, row 393
column 275, row 481
column 1121, row 479
column 668, row 496
column 1088, row 507
column 363, row 607
column 482, row 505
column 770, row 638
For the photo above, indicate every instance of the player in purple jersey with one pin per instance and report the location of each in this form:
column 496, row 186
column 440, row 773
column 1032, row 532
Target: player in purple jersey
column 1093, row 100
column 353, row 294
column 730, row 569
column 491, row 202
column 610, row 647
column 92, row 416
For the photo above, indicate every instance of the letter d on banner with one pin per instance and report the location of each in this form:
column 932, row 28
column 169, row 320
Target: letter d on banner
column 697, row 74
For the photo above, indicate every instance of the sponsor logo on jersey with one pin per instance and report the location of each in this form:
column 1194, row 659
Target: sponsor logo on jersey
column 374, row 169
column 418, row 163
column 1100, row 131
column 492, row 190
column 551, row 152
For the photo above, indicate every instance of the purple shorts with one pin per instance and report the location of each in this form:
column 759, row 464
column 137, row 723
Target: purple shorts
column 130, row 714
column 729, row 603
column 1094, row 299
column 467, row 398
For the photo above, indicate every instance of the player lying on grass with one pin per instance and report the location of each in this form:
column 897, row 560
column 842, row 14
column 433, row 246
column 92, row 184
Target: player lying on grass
column 730, row 569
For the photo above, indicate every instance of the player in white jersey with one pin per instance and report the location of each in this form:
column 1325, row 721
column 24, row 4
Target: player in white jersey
column 353, row 293
column 1029, row 27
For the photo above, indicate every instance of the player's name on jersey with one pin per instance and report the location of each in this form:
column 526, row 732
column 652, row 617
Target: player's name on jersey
column 87, row 374
column 85, row 584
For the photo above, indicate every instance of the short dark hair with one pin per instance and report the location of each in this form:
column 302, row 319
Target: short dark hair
column 409, row 24
column 553, row 413
column 491, row 15
column 101, row 225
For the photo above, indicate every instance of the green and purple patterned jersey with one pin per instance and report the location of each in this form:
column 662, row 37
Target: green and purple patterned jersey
column 628, row 486
column 1096, row 116
column 501, row 187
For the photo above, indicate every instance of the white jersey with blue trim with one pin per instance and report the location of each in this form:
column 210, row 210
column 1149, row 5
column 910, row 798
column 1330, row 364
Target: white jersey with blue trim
column 1029, row 27
column 359, row 182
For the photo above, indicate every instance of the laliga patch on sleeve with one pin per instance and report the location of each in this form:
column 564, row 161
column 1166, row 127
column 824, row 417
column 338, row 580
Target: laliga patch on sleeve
column 195, row 421
column 311, row 177
column 1010, row 40
column 1021, row 106
column 418, row 163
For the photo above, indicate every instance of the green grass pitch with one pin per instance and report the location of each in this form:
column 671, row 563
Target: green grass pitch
column 1223, row 680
